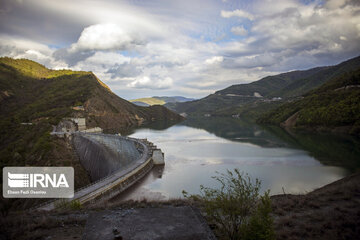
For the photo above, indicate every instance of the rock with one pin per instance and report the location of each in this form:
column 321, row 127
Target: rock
column 118, row 237
column 115, row 230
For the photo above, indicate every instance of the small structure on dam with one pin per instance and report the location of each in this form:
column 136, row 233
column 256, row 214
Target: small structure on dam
column 68, row 126
column 158, row 157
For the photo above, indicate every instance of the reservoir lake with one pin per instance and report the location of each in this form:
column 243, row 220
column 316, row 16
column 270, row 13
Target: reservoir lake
column 195, row 149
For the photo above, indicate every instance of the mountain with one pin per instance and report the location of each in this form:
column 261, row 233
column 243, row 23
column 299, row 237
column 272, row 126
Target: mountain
column 272, row 89
column 34, row 98
column 139, row 103
column 173, row 99
column 333, row 106
column 160, row 100
column 147, row 101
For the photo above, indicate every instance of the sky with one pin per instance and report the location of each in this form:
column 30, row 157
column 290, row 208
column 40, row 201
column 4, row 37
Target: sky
column 143, row 48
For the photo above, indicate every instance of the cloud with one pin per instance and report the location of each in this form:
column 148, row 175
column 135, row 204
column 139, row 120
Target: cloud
column 306, row 28
column 23, row 48
column 72, row 57
column 237, row 13
column 107, row 37
column 239, row 30
column 214, row 60
column 180, row 47
column 124, row 70
column 151, row 83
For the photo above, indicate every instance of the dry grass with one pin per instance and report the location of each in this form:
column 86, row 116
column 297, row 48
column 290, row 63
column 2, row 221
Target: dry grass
column 331, row 212
column 35, row 225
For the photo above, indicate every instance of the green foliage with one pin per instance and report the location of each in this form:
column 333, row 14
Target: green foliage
column 32, row 98
column 150, row 101
column 33, row 69
column 260, row 223
column 75, row 205
column 236, row 208
column 336, row 103
column 65, row 204
column 33, row 94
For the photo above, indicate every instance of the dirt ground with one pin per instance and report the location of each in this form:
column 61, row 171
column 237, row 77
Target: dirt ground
column 330, row 212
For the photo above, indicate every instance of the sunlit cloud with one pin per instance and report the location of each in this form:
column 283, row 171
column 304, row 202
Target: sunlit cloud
column 237, row 13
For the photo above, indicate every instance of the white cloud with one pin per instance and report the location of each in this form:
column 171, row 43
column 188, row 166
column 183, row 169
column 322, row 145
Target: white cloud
column 239, row 30
column 23, row 48
column 214, row 60
column 237, row 13
column 107, row 37
column 151, row 83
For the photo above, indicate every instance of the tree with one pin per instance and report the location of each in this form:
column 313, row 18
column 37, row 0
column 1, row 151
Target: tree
column 236, row 208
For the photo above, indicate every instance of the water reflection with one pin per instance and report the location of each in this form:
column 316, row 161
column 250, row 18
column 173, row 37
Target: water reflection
column 236, row 129
column 196, row 148
column 329, row 149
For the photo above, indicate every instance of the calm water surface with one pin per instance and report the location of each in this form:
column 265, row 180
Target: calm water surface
column 196, row 149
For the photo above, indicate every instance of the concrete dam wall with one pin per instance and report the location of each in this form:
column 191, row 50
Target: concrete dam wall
column 103, row 154
column 114, row 163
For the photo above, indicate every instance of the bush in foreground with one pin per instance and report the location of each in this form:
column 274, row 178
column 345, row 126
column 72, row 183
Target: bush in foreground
column 237, row 209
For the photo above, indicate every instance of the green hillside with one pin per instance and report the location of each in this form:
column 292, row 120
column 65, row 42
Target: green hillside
column 160, row 100
column 271, row 84
column 150, row 101
column 240, row 98
column 34, row 98
column 335, row 105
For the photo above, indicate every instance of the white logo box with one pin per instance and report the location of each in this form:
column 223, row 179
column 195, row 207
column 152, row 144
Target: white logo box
column 38, row 182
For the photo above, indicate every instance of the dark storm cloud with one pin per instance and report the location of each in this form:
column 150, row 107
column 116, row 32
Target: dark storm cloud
column 72, row 58
column 30, row 20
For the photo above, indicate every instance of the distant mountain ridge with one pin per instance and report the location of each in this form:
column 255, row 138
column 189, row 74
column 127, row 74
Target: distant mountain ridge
column 156, row 100
column 231, row 100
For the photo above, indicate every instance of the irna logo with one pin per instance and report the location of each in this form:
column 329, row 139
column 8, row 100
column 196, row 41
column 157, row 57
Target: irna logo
column 23, row 180
column 38, row 182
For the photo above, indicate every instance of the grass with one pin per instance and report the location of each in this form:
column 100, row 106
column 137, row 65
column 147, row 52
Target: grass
column 150, row 101
column 331, row 212
column 35, row 70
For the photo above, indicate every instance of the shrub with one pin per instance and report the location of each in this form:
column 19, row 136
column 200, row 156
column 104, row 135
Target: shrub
column 75, row 205
column 237, row 209
column 65, row 204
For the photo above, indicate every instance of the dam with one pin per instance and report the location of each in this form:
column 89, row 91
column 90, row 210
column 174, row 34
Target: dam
column 113, row 162
column 103, row 154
